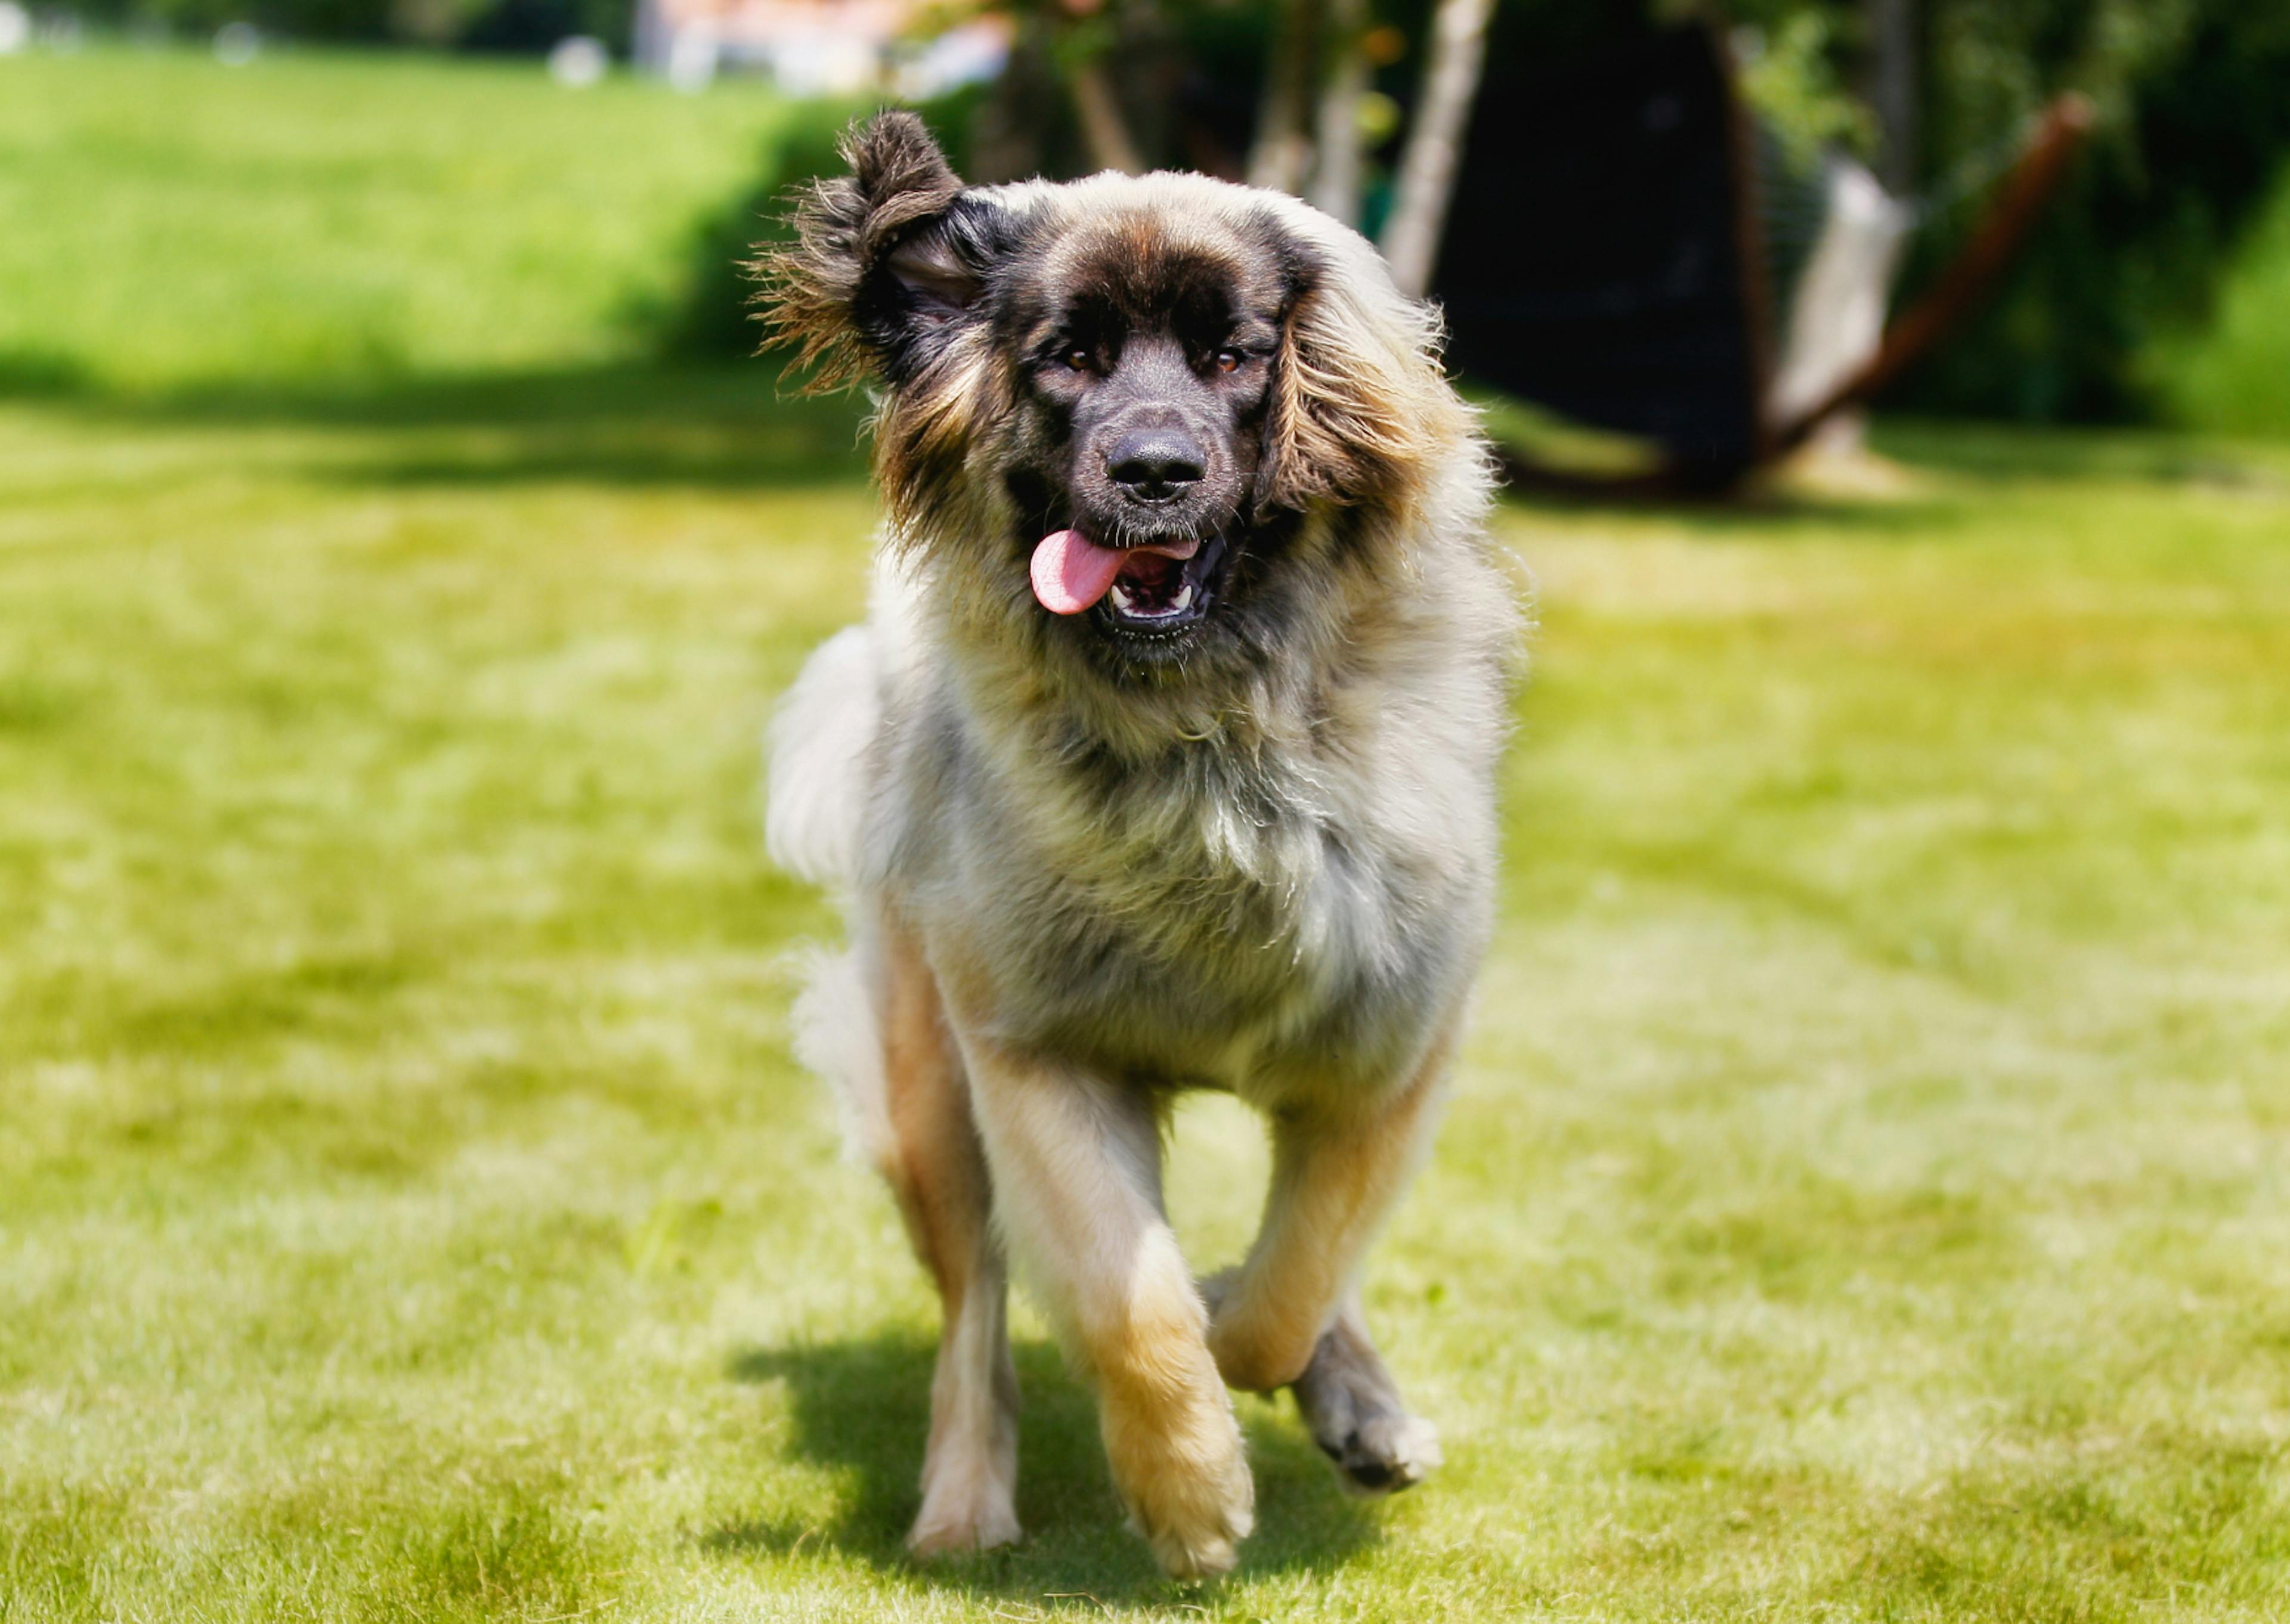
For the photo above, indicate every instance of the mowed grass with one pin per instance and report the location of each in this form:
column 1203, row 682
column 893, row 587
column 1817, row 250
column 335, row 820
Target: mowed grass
column 1865, row 1193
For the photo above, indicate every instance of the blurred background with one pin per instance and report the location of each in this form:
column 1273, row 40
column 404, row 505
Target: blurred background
column 1864, row 1193
column 201, row 190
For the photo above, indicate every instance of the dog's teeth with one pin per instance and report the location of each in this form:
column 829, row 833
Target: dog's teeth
column 1123, row 599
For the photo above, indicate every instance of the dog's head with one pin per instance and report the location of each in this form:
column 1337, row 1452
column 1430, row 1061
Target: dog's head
column 1150, row 408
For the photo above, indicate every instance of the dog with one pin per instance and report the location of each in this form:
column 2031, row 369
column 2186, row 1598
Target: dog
column 1164, row 759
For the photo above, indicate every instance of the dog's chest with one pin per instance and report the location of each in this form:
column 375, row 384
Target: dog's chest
column 1209, row 922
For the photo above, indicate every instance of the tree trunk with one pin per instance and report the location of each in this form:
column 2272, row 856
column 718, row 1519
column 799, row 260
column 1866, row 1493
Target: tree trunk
column 1892, row 90
column 1435, row 144
column 1336, row 180
column 1102, row 126
column 1283, row 148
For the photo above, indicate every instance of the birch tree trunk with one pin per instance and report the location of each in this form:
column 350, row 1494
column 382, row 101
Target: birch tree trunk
column 1281, row 151
column 1890, row 27
column 1102, row 126
column 1427, row 168
column 1344, row 83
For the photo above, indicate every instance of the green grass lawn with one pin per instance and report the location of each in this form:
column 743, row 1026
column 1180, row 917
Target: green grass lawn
column 1866, row 1194
column 166, row 220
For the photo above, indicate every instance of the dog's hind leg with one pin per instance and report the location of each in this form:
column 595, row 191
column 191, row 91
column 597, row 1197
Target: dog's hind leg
column 1353, row 1408
column 936, row 1169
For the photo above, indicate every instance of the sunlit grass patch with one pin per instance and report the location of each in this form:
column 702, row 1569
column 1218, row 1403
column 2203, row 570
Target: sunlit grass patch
column 1861, row 1195
column 165, row 220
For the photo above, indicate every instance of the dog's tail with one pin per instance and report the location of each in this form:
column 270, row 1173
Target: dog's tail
column 818, row 767
column 838, row 1035
column 816, row 803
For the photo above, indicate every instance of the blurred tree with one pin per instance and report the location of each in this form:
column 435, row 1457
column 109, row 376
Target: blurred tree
column 1350, row 102
column 1435, row 140
column 1891, row 56
column 2196, row 125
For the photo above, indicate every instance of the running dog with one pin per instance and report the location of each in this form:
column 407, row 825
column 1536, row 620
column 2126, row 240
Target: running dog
column 1165, row 759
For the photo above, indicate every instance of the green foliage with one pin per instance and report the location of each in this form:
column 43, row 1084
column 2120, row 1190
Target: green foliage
column 2234, row 376
column 522, row 25
column 2194, row 129
column 715, row 315
column 1793, row 83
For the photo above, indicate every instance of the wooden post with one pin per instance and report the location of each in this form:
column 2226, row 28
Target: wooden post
column 1972, row 274
column 1102, row 127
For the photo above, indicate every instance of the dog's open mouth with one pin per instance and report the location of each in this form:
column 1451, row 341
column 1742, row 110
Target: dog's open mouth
column 1159, row 587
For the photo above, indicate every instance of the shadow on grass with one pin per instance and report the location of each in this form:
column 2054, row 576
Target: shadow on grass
column 2008, row 452
column 1763, row 513
column 863, row 1406
column 1970, row 460
column 728, row 426
column 733, row 425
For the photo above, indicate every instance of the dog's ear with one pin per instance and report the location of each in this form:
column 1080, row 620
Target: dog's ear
column 1361, row 408
column 883, row 262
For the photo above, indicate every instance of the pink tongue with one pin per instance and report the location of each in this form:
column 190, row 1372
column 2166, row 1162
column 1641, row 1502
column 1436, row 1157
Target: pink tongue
column 1072, row 572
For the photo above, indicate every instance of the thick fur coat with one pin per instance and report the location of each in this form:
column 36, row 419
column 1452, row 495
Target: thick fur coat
column 1089, row 861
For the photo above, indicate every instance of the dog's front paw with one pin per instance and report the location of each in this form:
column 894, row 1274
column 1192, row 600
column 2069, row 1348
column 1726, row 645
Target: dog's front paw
column 1196, row 1528
column 1184, row 1479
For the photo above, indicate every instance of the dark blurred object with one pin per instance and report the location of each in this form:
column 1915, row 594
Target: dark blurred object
column 531, row 27
column 1598, row 259
column 716, row 318
column 2194, row 128
column 1617, row 255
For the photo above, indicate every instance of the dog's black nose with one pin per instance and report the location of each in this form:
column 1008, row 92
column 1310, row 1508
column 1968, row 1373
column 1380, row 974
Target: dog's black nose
column 1155, row 463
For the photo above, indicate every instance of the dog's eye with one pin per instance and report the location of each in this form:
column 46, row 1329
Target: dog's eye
column 1229, row 360
column 1080, row 360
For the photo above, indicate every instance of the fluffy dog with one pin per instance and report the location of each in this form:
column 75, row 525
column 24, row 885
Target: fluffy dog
column 1165, row 759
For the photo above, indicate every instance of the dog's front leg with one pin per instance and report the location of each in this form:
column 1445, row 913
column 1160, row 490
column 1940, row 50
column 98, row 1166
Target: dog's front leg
column 1338, row 1164
column 1076, row 1164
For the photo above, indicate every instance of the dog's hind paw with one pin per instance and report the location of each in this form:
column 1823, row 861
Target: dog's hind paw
column 1353, row 1408
column 952, row 1530
column 1384, row 1454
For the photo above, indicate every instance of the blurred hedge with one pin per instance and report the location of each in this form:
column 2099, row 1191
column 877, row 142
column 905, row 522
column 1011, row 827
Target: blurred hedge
column 480, row 25
column 717, row 319
column 2131, row 265
column 2115, row 293
column 2233, row 376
